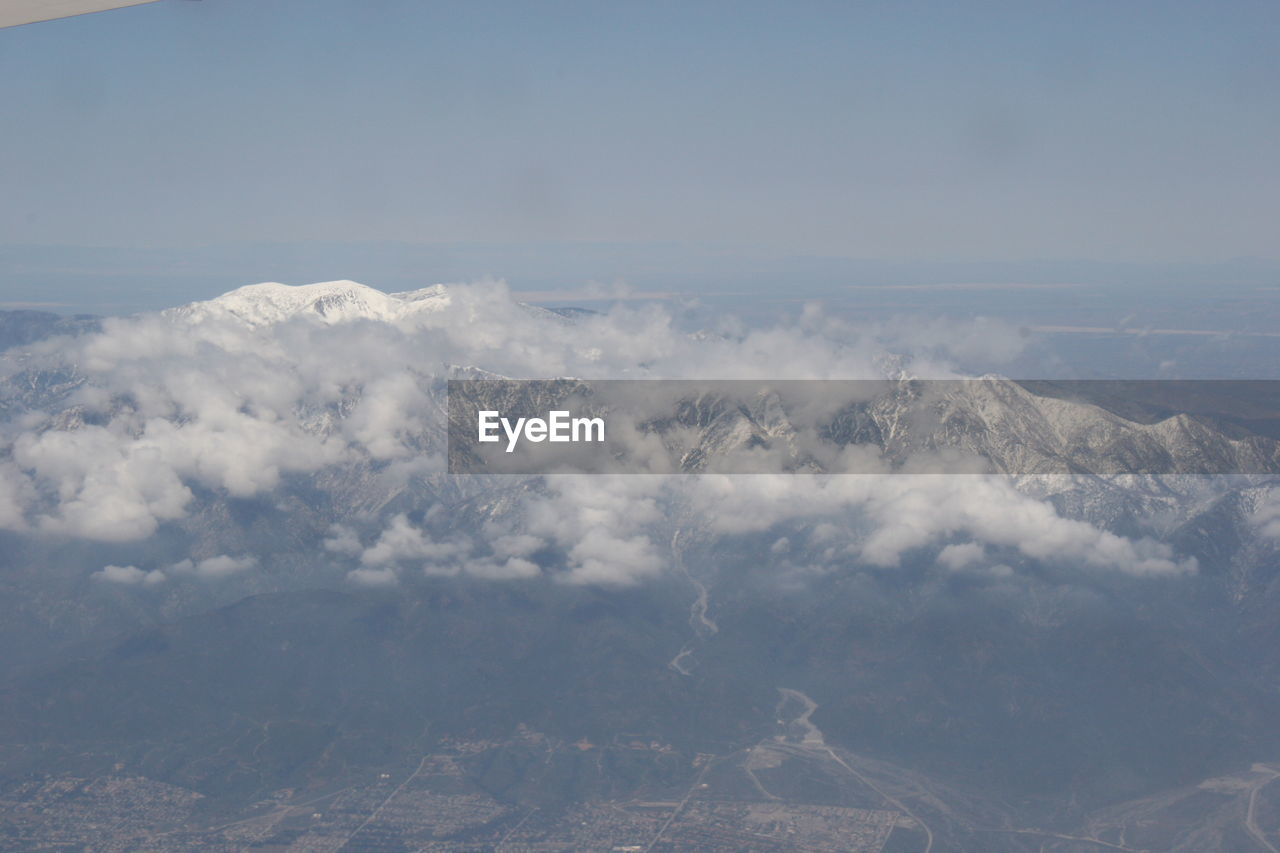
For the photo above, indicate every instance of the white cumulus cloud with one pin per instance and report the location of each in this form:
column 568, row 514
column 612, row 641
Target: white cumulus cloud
column 232, row 398
column 129, row 575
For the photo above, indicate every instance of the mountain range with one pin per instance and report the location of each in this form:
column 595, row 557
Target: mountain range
column 235, row 564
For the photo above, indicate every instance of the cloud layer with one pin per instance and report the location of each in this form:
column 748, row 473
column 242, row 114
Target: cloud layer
column 161, row 413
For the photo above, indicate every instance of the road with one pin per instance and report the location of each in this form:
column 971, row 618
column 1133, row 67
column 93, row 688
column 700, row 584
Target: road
column 679, row 807
column 513, row 830
column 390, row 797
column 1250, row 822
column 1076, row 838
column 814, row 742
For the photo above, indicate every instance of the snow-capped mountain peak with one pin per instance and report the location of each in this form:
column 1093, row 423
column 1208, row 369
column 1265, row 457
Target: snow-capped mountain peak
column 328, row 302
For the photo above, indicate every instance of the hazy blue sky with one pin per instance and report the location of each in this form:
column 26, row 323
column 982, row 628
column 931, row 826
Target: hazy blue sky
column 1110, row 130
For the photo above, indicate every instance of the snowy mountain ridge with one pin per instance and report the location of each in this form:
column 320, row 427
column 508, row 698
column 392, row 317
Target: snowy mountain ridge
column 328, row 302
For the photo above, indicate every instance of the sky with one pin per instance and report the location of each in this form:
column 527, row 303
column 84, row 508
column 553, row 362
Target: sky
column 908, row 131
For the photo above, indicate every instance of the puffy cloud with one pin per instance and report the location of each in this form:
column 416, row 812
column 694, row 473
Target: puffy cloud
column 884, row 517
column 391, row 410
column 214, row 568
column 383, row 577
column 959, row 556
column 508, row 569
column 604, row 524
column 401, row 542
column 107, row 485
column 1266, row 515
column 343, row 540
column 237, row 395
column 129, row 575
column 267, row 381
column 15, row 495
